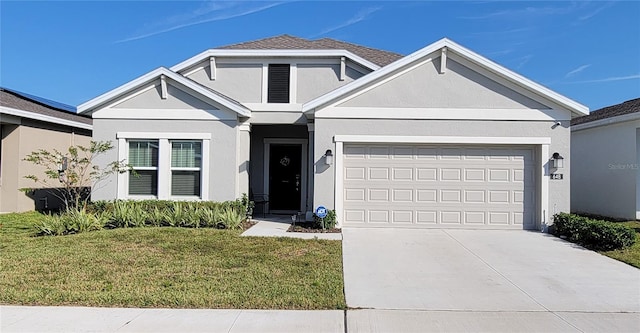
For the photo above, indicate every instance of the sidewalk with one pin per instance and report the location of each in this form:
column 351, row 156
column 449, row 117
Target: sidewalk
column 85, row 319
column 276, row 226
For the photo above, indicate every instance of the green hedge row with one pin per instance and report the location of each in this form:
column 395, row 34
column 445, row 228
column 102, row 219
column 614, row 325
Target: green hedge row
column 593, row 234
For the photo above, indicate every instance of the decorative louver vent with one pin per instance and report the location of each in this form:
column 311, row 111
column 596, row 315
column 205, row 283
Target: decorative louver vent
column 278, row 90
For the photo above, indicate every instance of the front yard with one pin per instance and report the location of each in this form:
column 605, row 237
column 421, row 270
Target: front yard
column 166, row 267
column 630, row 255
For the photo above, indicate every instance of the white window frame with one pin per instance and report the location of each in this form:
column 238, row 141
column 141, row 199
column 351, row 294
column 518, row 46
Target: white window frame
column 164, row 164
column 156, row 169
column 172, row 169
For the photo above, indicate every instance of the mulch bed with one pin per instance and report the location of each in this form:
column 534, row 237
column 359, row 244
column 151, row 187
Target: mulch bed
column 310, row 228
column 248, row 223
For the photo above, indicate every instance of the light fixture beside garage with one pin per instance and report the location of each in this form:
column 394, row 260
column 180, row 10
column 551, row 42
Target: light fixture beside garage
column 557, row 161
column 328, row 157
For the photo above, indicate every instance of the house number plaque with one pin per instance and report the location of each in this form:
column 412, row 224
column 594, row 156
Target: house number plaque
column 556, row 176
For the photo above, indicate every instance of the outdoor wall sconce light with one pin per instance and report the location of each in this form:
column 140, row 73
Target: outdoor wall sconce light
column 62, row 167
column 328, row 157
column 557, row 161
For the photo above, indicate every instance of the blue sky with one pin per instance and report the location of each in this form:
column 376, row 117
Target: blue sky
column 73, row 51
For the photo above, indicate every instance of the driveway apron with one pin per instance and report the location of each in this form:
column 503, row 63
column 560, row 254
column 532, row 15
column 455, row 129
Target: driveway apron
column 481, row 270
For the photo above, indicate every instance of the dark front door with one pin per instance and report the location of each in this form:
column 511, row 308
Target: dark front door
column 285, row 176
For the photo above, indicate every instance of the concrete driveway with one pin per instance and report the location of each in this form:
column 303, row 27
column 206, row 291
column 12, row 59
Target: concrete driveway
column 510, row 276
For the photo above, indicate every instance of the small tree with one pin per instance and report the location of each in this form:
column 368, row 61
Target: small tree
column 68, row 174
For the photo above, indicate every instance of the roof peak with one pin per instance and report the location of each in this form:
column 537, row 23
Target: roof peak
column 290, row 42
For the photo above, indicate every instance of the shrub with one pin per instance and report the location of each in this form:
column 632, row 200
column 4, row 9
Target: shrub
column 71, row 221
column 125, row 214
column 593, row 234
column 329, row 220
column 232, row 218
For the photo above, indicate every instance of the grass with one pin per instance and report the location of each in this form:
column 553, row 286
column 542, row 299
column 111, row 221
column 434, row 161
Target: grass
column 166, row 267
column 630, row 255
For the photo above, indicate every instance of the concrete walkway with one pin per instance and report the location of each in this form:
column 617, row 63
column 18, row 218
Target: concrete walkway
column 277, row 226
column 83, row 319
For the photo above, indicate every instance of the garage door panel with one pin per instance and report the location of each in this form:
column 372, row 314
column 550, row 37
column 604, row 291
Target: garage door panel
column 447, row 186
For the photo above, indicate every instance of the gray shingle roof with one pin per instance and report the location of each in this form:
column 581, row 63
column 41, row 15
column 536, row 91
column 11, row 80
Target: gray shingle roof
column 631, row 106
column 288, row 42
column 21, row 101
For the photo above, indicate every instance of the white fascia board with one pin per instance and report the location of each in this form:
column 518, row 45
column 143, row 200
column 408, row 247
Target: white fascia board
column 42, row 117
column 606, row 121
column 87, row 107
column 442, row 114
column 573, row 106
column 442, row 139
column 273, row 53
column 163, row 135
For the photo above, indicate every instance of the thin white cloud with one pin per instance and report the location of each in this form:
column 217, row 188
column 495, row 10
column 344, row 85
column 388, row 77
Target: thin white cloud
column 595, row 12
column 577, row 70
column 611, row 79
column 523, row 60
column 358, row 17
column 212, row 11
column 517, row 14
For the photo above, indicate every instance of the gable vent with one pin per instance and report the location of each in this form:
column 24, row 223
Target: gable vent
column 278, row 90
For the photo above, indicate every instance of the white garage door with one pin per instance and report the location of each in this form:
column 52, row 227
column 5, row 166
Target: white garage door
column 439, row 186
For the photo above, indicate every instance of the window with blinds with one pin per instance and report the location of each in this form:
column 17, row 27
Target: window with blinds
column 143, row 158
column 278, row 86
column 186, row 163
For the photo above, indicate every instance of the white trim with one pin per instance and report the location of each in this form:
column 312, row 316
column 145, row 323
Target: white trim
column 442, row 113
column 90, row 105
column 272, row 53
column 544, row 187
column 163, row 87
column 443, row 139
column 485, row 63
column 283, row 107
column 212, row 68
column 543, row 142
column 205, row 187
column 339, row 183
column 245, row 127
column 343, row 68
column 607, row 121
column 42, row 117
column 303, row 161
column 265, row 83
column 164, row 169
column 163, row 135
column 293, row 83
column 443, row 60
column 122, row 178
column 179, row 114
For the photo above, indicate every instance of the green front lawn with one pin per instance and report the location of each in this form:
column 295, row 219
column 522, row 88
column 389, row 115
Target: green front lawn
column 166, row 267
column 630, row 255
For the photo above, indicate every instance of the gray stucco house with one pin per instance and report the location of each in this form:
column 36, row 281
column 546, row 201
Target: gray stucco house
column 442, row 137
column 606, row 158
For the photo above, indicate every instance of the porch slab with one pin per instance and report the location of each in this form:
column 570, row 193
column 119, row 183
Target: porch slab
column 277, row 226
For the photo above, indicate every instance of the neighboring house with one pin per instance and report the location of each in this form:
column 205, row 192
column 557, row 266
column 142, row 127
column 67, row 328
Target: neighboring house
column 605, row 150
column 29, row 123
column 442, row 137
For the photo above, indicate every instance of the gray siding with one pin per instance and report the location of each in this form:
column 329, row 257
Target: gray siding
column 605, row 170
column 326, row 129
column 151, row 99
column 458, row 87
column 316, row 80
column 223, row 148
column 242, row 82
